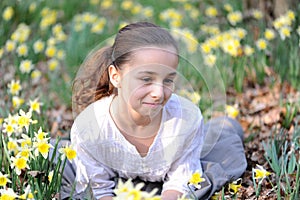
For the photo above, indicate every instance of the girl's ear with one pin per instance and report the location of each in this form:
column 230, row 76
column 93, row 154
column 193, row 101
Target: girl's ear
column 114, row 76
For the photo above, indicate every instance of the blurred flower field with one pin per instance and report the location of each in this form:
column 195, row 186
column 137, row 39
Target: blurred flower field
column 251, row 59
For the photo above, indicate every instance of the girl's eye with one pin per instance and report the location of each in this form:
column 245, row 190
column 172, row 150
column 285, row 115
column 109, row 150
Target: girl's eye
column 147, row 79
column 168, row 81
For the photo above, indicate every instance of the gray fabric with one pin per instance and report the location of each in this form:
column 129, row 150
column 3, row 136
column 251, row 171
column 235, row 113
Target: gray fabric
column 222, row 157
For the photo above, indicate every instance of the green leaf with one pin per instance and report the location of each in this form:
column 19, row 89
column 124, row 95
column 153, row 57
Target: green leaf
column 292, row 164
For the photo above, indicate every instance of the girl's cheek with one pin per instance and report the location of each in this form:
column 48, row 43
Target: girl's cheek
column 140, row 92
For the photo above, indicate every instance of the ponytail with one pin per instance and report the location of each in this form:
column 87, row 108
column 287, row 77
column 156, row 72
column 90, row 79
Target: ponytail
column 92, row 81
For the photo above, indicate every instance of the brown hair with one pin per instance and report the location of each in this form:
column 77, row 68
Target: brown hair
column 92, row 82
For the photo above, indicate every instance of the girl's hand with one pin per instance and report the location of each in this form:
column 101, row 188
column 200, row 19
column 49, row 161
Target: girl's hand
column 171, row 195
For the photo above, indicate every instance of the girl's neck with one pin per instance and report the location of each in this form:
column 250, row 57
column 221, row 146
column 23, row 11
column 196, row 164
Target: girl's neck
column 133, row 124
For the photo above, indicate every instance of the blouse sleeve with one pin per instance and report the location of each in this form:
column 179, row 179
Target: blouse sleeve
column 187, row 163
column 89, row 171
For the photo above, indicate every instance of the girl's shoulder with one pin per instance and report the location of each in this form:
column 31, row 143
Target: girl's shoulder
column 182, row 109
column 94, row 113
column 179, row 104
column 99, row 107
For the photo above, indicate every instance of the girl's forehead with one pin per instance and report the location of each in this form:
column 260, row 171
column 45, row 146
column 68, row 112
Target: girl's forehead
column 154, row 56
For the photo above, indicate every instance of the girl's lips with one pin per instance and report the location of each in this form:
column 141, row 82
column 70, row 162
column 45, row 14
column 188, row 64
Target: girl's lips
column 153, row 105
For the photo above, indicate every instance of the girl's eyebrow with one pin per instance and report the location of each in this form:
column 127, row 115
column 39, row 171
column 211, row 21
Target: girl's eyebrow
column 154, row 73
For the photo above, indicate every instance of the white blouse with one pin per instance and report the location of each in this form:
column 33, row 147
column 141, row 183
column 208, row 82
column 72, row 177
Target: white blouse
column 103, row 152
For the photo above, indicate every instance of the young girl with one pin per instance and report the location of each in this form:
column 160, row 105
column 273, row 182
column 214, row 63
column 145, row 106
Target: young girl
column 130, row 124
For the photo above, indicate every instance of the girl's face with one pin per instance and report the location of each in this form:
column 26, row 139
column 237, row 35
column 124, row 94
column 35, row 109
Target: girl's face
column 147, row 81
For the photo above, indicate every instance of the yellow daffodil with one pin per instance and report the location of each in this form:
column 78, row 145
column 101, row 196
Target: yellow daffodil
column 106, row 4
column 38, row 46
column 67, row 152
column 8, row 194
column 25, row 153
column 231, row 111
column 41, row 135
column 52, row 64
column 43, row 148
column 234, row 186
column 26, row 66
column 212, row 42
column 25, row 141
column 193, row 96
column 136, row 9
column 8, row 13
column 14, row 87
column 260, row 173
column 269, row 34
column 123, row 189
column 21, row 34
column 27, row 196
column 134, row 194
column 285, row 32
column 87, row 17
column 257, row 14
column 12, row 145
column 187, row 37
column 205, row 48
column 3, row 179
column 24, row 119
column 10, row 45
column 248, row 50
column 8, row 128
column 52, row 41
column 240, row 33
column 35, row 75
column 50, row 51
column 291, row 15
column 49, row 18
column 57, row 29
column 228, row 7
column 210, row 60
column 210, row 29
column 148, row 12
column 11, row 119
column 19, row 163
column 216, row 196
column 17, row 101
column 128, row 190
column 50, row 176
column 127, row 4
column 282, row 21
column 234, row 17
column 61, row 36
column 32, row 7
column 261, row 44
column 22, row 50
column 35, row 105
column 231, row 47
column 211, row 11
column 98, row 26
column 196, row 179
column 60, row 54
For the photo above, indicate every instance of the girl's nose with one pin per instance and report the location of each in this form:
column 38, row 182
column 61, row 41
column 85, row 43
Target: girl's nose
column 157, row 90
